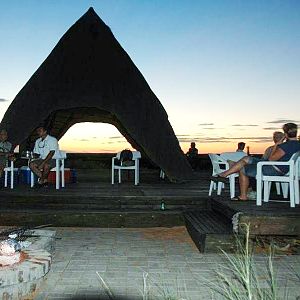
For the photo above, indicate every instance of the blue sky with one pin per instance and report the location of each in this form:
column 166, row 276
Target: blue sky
column 223, row 63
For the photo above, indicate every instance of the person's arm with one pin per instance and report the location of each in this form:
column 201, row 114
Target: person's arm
column 277, row 154
column 267, row 153
column 48, row 157
column 53, row 147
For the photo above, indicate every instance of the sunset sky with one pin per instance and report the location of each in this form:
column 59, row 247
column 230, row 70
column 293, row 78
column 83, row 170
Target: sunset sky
column 225, row 71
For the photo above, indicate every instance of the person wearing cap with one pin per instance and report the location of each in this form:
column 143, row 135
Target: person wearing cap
column 5, row 150
column 44, row 149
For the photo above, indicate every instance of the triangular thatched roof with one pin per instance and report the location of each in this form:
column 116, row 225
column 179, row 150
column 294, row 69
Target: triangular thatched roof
column 89, row 77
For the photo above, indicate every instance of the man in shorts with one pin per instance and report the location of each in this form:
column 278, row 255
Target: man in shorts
column 44, row 149
column 5, row 150
column 247, row 166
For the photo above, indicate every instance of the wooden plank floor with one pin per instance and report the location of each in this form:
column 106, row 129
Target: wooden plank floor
column 94, row 194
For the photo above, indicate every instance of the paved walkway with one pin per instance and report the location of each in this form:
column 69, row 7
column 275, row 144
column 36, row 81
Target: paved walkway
column 174, row 266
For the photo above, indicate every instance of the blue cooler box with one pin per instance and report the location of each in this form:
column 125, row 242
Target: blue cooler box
column 25, row 175
column 73, row 177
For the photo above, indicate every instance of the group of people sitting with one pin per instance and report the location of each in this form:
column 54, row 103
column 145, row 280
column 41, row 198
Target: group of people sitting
column 285, row 145
column 42, row 158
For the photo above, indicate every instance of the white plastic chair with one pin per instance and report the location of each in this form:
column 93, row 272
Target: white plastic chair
column 10, row 169
column 219, row 165
column 233, row 156
column 291, row 179
column 59, row 169
column 136, row 155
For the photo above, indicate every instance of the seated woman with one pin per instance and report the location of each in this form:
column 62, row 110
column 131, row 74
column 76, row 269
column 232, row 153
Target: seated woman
column 277, row 137
column 247, row 166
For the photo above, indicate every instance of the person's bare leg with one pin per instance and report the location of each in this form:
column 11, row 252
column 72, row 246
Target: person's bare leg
column 35, row 169
column 236, row 167
column 244, row 185
column 45, row 173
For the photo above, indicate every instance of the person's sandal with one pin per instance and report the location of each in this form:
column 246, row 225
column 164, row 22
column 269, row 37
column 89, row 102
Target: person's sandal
column 238, row 199
column 45, row 184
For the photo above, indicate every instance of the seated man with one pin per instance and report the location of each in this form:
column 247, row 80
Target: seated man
column 241, row 147
column 247, row 166
column 193, row 151
column 44, row 149
column 5, row 150
column 192, row 155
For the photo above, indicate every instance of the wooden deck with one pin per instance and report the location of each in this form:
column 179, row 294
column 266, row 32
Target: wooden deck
column 94, row 202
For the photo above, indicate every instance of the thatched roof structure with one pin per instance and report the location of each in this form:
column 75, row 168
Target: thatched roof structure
column 88, row 77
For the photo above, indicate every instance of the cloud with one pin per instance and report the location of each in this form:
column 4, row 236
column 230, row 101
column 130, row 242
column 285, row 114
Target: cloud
column 206, row 124
column 282, row 121
column 201, row 140
column 116, row 137
column 211, row 128
column 271, row 128
column 262, row 141
column 244, row 125
column 183, row 135
column 3, row 100
column 222, row 139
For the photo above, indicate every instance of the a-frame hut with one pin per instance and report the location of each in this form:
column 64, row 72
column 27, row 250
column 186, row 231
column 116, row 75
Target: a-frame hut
column 88, row 77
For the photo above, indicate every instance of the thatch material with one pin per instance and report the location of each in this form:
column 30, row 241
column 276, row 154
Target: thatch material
column 88, row 77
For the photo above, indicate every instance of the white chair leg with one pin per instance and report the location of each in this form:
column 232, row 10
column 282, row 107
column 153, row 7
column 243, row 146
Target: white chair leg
column 211, row 186
column 285, row 189
column 135, row 176
column 232, row 187
column 266, row 191
column 138, row 171
column 12, row 174
column 297, row 192
column 258, row 192
column 31, row 179
column 219, row 188
column 112, row 175
column 57, row 174
column 63, row 173
column 5, row 177
column 119, row 175
column 292, row 194
column 277, row 188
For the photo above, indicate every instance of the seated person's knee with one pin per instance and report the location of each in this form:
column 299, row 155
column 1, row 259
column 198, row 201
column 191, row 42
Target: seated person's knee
column 246, row 159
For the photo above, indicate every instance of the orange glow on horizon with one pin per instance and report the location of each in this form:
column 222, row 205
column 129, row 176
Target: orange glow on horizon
column 105, row 138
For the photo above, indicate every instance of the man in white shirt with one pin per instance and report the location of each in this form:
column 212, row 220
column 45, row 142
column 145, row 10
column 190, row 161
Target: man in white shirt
column 44, row 149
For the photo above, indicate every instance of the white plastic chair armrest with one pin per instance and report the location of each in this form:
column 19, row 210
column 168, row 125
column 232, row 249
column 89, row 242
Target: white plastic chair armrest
column 274, row 163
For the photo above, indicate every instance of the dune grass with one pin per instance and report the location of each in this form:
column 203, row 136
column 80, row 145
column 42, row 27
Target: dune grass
column 239, row 278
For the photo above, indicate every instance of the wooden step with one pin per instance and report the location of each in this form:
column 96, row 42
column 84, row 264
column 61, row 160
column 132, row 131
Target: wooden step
column 272, row 218
column 88, row 202
column 210, row 231
column 93, row 218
